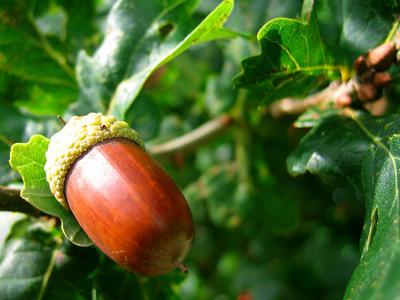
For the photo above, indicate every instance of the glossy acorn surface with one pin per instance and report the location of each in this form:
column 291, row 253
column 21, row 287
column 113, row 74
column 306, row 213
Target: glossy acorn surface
column 129, row 207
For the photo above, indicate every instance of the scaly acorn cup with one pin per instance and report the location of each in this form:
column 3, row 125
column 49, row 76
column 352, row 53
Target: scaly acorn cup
column 124, row 201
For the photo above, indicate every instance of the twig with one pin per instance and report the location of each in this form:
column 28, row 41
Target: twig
column 193, row 139
column 370, row 77
column 335, row 94
column 10, row 200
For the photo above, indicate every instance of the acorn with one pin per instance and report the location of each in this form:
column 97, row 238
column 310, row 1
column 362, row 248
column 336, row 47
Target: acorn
column 122, row 198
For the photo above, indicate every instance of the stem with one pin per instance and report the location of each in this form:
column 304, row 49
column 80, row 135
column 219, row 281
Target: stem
column 331, row 94
column 143, row 288
column 62, row 121
column 243, row 143
column 392, row 32
column 195, row 138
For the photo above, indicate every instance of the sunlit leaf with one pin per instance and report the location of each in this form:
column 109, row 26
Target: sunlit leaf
column 293, row 60
column 29, row 159
column 158, row 32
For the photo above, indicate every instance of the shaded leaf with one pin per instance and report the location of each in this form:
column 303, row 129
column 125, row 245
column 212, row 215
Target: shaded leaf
column 27, row 259
column 29, row 159
column 214, row 193
column 79, row 28
column 115, row 283
column 6, row 174
column 313, row 116
column 15, row 126
column 46, row 81
column 72, row 276
column 366, row 151
column 366, row 23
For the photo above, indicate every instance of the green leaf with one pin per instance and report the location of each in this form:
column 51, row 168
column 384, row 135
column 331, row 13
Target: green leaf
column 6, row 173
column 366, row 151
column 313, row 116
column 46, row 83
column 366, row 23
column 16, row 126
column 72, row 277
column 218, row 190
column 29, row 159
column 292, row 62
column 27, row 258
column 7, row 220
column 316, row 153
column 114, row 283
column 141, row 38
column 79, row 27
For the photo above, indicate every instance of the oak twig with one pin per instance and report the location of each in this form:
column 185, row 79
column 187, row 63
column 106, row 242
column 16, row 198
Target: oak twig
column 194, row 138
column 366, row 85
column 336, row 93
column 10, row 200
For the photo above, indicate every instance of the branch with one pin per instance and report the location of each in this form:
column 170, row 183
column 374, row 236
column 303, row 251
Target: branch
column 371, row 76
column 336, row 93
column 195, row 138
column 10, row 200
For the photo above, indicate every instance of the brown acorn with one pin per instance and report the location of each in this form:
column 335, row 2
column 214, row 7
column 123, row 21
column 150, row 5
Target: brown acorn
column 382, row 57
column 124, row 201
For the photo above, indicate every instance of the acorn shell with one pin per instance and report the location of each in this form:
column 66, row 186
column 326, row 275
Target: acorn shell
column 129, row 207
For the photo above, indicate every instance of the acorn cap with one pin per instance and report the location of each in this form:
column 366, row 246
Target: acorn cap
column 77, row 136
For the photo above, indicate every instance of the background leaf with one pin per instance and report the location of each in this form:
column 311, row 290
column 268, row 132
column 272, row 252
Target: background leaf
column 164, row 32
column 27, row 258
column 45, row 79
column 366, row 23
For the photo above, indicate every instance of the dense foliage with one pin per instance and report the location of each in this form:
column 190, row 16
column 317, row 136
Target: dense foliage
column 167, row 67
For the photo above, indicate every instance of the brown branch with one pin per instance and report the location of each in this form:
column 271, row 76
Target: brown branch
column 367, row 85
column 10, row 200
column 194, row 138
column 336, row 93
